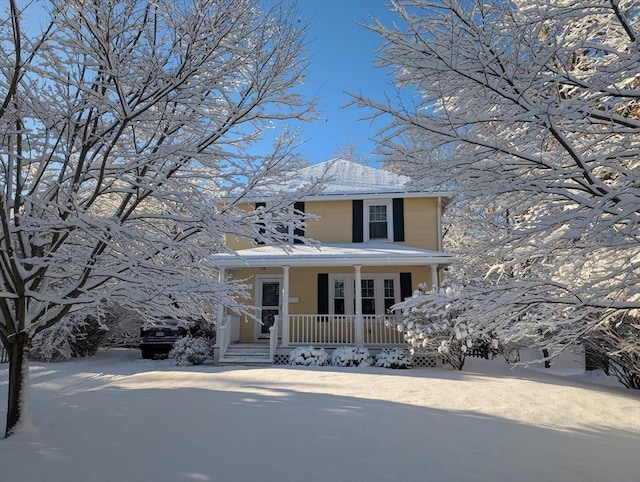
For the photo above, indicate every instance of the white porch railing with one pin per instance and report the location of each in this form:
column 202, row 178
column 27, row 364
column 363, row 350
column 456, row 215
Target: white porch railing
column 222, row 335
column 382, row 330
column 337, row 330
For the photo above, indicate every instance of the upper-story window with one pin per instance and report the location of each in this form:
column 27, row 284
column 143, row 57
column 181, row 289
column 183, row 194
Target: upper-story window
column 377, row 219
column 292, row 234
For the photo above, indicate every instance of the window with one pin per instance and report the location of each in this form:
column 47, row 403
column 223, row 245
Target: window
column 377, row 214
column 389, row 294
column 290, row 232
column 368, row 297
column 379, row 292
column 338, row 297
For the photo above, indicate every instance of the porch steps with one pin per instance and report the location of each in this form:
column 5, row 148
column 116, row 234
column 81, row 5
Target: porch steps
column 247, row 354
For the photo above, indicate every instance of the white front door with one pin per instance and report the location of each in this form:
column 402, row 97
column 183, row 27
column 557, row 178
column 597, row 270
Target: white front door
column 268, row 303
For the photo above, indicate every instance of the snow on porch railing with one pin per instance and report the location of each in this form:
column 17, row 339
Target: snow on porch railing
column 340, row 330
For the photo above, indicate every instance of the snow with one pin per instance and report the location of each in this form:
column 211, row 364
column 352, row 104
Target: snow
column 117, row 417
column 341, row 176
column 343, row 179
column 333, row 254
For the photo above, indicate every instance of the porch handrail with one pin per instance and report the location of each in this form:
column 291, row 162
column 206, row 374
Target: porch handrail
column 273, row 337
column 222, row 335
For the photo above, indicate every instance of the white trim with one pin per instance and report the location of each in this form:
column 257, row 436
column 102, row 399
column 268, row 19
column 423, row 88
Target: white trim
column 284, row 311
column 434, row 276
column 260, row 279
column 332, row 255
column 367, row 203
column 220, row 307
column 359, row 328
column 448, row 195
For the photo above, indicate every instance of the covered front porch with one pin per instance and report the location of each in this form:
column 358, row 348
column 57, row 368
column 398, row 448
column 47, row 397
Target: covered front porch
column 374, row 331
column 325, row 296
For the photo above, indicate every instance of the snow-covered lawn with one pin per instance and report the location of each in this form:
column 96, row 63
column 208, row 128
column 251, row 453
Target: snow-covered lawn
column 116, row 417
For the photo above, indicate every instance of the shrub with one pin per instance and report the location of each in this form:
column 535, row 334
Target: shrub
column 72, row 337
column 308, row 356
column 393, row 358
column 351, row 356
column 190, row 351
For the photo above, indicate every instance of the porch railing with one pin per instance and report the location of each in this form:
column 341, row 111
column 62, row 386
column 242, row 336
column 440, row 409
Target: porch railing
column 340, row 330
column 222, row 335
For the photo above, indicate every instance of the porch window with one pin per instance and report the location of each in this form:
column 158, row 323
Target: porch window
column 338, row 297
column 389, row 294
column 368, row 297
column 379, row 292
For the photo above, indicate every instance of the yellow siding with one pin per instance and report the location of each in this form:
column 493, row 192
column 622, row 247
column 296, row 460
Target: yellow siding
column 237, row 242
column 335, row 223
column 421, row 223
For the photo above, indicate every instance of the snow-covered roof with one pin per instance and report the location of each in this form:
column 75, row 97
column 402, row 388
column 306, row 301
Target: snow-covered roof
column 347, row 177
column 343, row 254
column 339, row 178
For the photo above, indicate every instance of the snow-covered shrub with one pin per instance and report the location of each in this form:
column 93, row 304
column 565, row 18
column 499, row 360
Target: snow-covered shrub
column 308, row 356
column 191, row 351
column 351, row 356
column 74, row 336
column 393, row 358
column 614, row 346
column 432, row 325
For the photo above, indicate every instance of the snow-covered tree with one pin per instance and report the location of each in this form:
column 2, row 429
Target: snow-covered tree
column 120, row 120
column 537, row 107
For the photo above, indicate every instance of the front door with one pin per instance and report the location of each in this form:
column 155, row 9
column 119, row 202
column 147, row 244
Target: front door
column 269, row 304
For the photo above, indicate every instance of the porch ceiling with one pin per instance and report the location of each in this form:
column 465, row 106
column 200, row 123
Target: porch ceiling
column 347, row 254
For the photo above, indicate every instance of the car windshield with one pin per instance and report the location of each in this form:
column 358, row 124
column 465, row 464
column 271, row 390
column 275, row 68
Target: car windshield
column 165, row 323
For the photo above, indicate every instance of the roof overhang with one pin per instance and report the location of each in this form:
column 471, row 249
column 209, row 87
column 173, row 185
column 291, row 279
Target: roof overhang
column 446, row 196
column 332, row 255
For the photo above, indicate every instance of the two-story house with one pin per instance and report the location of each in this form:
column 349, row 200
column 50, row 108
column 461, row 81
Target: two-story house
column 377, row 240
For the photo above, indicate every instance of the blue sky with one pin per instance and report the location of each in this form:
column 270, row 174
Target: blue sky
column 341, row 55
column 342, row 59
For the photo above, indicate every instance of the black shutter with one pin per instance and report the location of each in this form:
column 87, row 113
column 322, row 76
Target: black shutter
column 405, row 286
column 323, row 293
column 261, row 230
column 358, row 227
column 299, row 206
column 398, row 219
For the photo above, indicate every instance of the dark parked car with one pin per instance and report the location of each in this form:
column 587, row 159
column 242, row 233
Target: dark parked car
column 157, row 337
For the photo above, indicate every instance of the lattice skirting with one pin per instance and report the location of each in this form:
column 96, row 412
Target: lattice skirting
column 417, row 360
column 424, row 361
column 280, row 359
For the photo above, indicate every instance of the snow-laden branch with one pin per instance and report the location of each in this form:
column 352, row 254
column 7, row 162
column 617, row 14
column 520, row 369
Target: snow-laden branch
column 530, row 110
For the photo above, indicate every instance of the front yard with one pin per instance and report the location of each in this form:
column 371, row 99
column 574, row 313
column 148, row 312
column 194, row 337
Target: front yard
column 117, row 417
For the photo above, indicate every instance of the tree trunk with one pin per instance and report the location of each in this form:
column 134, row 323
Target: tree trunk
column 18, row 381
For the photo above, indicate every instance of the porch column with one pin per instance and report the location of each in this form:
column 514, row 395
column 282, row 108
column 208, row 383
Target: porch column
column 285, row 306
column 434, row 276
column 359, row 328
column 220, row 307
